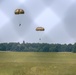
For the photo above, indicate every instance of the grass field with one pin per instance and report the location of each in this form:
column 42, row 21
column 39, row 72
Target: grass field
column 37, row 63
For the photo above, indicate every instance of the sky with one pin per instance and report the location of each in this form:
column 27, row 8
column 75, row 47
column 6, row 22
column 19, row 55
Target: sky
column 58, row 17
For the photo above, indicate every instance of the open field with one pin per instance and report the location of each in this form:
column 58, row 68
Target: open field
column 37, row 63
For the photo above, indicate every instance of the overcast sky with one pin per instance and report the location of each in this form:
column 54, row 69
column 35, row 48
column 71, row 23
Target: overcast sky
column 58, row 17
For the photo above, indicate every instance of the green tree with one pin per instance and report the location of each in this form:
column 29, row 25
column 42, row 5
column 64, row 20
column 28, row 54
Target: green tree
column 74, row 48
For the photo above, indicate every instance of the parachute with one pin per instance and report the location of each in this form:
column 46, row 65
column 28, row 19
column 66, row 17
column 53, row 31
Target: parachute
column 19, row 12
column 40, row 29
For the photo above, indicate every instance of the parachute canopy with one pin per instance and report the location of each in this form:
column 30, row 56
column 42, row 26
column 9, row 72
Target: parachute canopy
column 19, row 11
column 40, row 29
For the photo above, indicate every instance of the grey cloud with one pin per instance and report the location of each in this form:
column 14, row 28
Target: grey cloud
column 63, row 32
column 48, row 2
column 70, row 21
column 8, row 7
column 59, row 35
column 60, row 7
column 35, row 7
column 7, row 34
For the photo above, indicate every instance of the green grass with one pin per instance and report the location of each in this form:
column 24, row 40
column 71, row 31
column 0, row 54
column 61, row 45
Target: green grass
column 37, row 63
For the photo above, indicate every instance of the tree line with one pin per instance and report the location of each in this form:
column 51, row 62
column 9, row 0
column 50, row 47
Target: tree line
column 37, row 47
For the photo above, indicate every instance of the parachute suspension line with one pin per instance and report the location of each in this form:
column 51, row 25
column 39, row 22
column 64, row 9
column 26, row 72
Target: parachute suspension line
column 19, row 20
column 39, row 40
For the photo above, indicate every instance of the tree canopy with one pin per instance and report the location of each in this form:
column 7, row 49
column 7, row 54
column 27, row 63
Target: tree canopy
column 37, row 47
